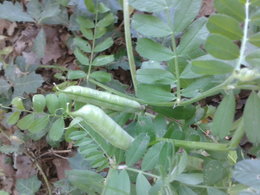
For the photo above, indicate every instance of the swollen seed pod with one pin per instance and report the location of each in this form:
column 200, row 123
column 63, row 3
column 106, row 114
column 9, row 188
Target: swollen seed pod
column 106, row 127
column 102, row 99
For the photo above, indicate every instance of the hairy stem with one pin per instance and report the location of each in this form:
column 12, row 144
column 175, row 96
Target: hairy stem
column 93, row 47
column 245, row 35
column 177, row 71
column 128, row 40
column 197, row 145
column 138, row 171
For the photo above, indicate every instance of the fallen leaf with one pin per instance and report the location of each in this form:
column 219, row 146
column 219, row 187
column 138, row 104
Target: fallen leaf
column 6, row 166
column 25, row 39
column 61, row 166
column 11, row 28
column 25, row 167
column 4, row 25
column 31, row 58
column 207, row 8
column 53, row 50
column 27, row 84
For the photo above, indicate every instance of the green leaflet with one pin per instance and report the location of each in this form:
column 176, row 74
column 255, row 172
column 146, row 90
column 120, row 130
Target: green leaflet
column 56, row 130
column 118, row 183
column 210, row 67
column 233, row 8
column 247, row 172
column 251, row 118
column 255, row 39
column 223, row 119
column 149, row 25
column 221, row 47
column 14, row 117
column 137, row 149
column 25, row 122
column 52, row 103
column 142, row 185
column 152, row 50
column 226, row 26
column 39, row 102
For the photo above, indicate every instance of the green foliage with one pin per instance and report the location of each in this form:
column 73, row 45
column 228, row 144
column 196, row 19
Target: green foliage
column 223, row 119
column 251, row 121
column 89, row 149
column 28, row 186
column 154, row 141
column 247, row 173
column 94, row 39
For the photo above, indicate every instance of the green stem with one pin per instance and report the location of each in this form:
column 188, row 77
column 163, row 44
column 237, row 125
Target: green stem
column 128, row 40
column 177, row 71
column 203, row 95
column 245, row 35
column 248, row 87
column 138, row 171
column 93, row 46
column 238, row 135
column 196, row 145
column 206, row 187
column 54, row 67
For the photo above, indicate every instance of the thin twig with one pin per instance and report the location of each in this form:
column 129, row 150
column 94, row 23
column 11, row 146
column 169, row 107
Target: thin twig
column 40, row 170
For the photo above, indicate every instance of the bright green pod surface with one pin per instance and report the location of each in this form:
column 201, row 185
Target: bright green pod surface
column 102, row 99
column 105, row 126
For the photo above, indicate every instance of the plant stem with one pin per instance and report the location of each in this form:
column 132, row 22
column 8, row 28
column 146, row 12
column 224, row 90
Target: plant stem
column 128, row 40
column 196, row 145
column 205, row 94
column 138, row 171
column 245, row 35
column 206, row 187
column 32, row 157
column 177, row 71
column 93, row 46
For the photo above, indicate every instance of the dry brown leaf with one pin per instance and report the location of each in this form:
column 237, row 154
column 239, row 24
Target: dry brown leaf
column 26, row 39
column 6, row 166
column 25, row 167
column 31, row 58
column 207, row 8
column 53, row 51
column 4, row 25
column 61, row 166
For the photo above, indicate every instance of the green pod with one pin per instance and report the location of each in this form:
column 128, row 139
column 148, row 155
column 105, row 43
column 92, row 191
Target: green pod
column 39, row 103
column 102, row 99
column 106, row 127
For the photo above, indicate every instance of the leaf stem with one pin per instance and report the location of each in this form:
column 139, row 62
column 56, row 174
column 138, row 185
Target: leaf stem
column 128, row 40
column 137, row 171
column 196, row 145
column 245, row 35
column 93, row 46
column 32, row 158
column 177, row 71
